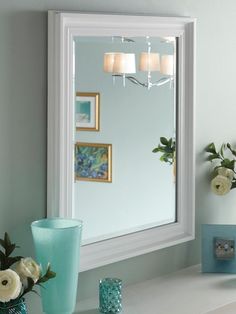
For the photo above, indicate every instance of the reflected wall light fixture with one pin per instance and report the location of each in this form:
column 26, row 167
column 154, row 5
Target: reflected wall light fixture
column 121, row 64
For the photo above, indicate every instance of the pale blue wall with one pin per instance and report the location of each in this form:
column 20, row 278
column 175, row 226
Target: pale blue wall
column 23, row 62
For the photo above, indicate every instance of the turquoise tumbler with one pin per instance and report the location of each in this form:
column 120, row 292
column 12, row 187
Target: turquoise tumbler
column 110, row 295
column 57, row 241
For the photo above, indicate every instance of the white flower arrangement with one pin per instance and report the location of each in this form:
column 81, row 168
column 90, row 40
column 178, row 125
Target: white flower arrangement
column 223, row 173
column 18, row 275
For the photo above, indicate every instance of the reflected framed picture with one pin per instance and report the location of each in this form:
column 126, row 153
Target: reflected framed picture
column 93, row 162
column 87, row 111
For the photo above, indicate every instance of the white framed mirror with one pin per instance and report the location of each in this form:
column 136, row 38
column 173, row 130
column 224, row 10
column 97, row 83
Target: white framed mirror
column 134, row 204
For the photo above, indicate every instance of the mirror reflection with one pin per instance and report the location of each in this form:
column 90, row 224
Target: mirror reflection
column 125, row 134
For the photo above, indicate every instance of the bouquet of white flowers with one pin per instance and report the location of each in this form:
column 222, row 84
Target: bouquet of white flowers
column 223, row 173
column 18, row 275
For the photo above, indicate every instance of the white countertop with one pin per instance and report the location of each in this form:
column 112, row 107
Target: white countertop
column 184, row 292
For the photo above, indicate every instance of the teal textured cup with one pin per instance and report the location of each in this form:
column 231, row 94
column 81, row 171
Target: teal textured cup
column 16, row 306
column 110, row 295
column 57, row 241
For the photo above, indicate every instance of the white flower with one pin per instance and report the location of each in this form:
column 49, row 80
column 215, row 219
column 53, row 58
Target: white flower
column 226, row 172
column 10, row 285
column 27, row 267
column 221, row 185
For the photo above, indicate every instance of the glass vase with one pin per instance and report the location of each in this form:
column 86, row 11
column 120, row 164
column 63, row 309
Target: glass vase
column 57, row 241
column 13, row 307
column 110, row 296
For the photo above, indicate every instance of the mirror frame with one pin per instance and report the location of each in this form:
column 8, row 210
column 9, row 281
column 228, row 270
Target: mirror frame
column 62, row 27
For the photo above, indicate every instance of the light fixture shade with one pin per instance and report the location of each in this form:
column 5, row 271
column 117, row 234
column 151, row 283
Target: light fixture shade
column 149, row 62
column 108, row 61
column 167, row 64
column 170, row 39
column 124, row 63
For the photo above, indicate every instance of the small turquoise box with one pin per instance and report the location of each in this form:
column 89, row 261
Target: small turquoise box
column 218, row 248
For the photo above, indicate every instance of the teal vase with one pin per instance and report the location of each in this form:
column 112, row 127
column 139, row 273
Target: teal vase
column 17, row 306
column 57, row 241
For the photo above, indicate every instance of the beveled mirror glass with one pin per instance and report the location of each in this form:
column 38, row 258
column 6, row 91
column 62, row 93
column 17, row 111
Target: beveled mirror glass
column 105, row 120
column 132, row 118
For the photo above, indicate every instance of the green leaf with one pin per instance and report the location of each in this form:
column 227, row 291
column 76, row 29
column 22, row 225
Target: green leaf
column 211, row 148
column 162, row 148
column 170, row 142
column 42, row 279
column 163, row 156
column 233, row 186
column 232, row 163
column 49, row 270
column 51, row 274
column 10, row 249
column 2, row 260
column 231, row 149
column 7, row 239
column 164, row 141
column 13, row 260
column 2, row 255
column 169, row 150
column 2, row 243
column 159, row 149
column 164, row 159
column 48, row 275
column 228, row 163
column 222, row 150
column 212, row 157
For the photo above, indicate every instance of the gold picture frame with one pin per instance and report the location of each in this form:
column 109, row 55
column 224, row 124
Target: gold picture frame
column 93, row 162
column 87, row 111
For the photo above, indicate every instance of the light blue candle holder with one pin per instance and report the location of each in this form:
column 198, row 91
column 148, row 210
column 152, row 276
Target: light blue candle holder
column 110, row 295
column 57, row 241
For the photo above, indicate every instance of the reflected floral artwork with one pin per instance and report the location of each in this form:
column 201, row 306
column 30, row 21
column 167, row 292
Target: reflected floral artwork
column 93, row 162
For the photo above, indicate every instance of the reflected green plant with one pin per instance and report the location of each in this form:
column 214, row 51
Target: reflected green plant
column 167, row 148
